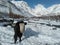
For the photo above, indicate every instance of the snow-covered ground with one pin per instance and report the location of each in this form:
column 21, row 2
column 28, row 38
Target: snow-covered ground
column 35, row 33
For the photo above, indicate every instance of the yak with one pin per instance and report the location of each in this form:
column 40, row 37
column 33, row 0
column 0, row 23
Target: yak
column 19, row 29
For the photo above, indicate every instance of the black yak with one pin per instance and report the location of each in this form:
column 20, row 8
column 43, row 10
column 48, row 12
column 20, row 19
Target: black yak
column 19, row 28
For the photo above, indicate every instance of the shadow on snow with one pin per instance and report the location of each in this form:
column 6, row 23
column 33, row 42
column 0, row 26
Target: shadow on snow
column 29, row 32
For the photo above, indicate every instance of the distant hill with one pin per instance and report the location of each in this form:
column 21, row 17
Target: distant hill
column 8, row 9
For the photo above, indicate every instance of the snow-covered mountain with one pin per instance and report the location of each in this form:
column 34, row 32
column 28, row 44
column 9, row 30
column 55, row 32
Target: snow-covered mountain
column 39, row 9
column 22, row 8
column 54, row 9
column 6, row 6
column 50, row 11
column 22, row 5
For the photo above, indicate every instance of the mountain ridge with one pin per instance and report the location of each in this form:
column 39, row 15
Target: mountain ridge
column 39, row 9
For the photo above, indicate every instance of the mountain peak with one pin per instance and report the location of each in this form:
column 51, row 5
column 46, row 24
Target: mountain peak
column 54, row 9
column 40, row 10
column 20, row 3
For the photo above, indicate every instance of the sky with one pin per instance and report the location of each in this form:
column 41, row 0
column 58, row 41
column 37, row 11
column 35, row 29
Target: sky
column 46, row 3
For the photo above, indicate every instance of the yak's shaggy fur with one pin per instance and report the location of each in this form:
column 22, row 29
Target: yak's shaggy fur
column 19, row 28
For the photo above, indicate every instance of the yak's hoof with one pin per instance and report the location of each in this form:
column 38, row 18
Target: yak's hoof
column 14, row 42
column 20, row 40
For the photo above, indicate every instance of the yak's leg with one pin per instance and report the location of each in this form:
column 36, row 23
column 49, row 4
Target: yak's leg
column 20, row 37
column 15, row 38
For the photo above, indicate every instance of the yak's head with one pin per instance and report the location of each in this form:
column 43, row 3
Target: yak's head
column 19, row 22
column 22, row 26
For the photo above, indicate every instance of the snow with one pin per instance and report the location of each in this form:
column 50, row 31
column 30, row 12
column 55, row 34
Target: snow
column 4, row 9
column 5, row 6
column 54, row 8
column 27, row 11
column 24, row 8
column 35, row 34
column 39, row 9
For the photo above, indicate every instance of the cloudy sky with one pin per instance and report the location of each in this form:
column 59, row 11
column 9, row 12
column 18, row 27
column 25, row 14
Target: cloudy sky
column 46, row 3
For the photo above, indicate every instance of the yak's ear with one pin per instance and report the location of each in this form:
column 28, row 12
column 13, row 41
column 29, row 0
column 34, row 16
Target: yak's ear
column 25, row 23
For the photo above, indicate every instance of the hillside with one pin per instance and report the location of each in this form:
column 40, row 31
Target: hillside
column 6, row 7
